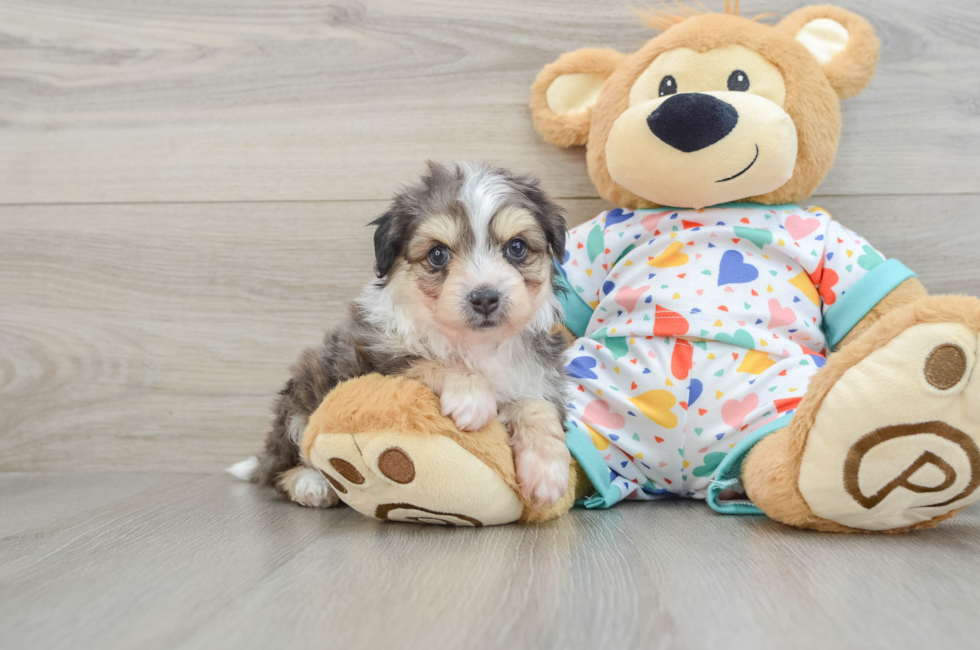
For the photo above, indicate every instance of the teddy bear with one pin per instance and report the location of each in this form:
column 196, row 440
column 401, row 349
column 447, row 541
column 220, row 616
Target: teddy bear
column 726, row 343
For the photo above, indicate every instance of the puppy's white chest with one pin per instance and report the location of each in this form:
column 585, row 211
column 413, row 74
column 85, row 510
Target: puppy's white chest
column 513, row 376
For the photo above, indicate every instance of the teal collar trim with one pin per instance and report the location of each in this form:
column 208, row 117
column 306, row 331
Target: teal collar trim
column 580, row 444
column 843, row 315
column 729, row 473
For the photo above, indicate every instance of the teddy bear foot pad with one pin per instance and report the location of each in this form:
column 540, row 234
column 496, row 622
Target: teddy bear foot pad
column 430, row 480
column 904, row 424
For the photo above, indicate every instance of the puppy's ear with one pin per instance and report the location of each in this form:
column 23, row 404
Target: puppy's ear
column 436, row 172
column 388, row 242
column 549, row 214
column 843, row 43
column 565, row 91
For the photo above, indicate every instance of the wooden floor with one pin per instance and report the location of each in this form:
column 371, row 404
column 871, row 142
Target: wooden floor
column 166, row 561
column 183, row 193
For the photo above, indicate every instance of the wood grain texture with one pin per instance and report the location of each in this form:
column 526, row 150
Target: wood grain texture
column 259, row 100
column 154, row 337
column 185, row 562
column 237, row 150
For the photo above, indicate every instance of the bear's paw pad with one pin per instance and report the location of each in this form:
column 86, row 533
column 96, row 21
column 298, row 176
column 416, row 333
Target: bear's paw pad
column 897, row 439
column 417, row 479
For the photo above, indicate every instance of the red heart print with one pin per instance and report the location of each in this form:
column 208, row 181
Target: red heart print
column 669, row 323
column 827, row 283
column 680, row 361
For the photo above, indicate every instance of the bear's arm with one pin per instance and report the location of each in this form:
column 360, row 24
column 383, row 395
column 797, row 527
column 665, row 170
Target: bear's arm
column 858, row 286
column 906, row 293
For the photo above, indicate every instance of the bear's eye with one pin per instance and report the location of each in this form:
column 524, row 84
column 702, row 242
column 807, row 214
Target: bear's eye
column 668, row 86
column 739, row 81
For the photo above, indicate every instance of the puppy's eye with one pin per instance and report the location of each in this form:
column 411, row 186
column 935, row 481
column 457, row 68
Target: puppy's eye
column 668, row 86
column 438, row 256
column 516, row 249
column 738, row 81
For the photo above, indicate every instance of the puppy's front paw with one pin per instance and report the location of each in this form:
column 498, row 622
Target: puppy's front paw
column 542, row 472
column 470, row 402
column 307, row 487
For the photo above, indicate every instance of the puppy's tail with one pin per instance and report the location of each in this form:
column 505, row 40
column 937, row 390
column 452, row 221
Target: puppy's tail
column 245, row 469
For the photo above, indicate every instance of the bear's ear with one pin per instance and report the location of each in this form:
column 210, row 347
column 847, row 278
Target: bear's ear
column 563, row 94
column 844, row 44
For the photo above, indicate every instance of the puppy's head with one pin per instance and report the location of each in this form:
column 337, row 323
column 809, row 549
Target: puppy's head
column 469, row 251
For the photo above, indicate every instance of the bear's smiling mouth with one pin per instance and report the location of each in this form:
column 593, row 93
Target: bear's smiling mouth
column 744, row 170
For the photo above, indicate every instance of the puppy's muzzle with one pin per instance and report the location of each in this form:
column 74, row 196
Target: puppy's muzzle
column 484, row 300
column 692, row 121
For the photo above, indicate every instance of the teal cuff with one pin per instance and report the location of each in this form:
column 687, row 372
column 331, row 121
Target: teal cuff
column 860, row 299
column 578, row 314
column 728, row 476
column 580, row 444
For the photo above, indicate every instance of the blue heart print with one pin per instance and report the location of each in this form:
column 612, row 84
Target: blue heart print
column 734, row 270
column 617, row 216
column 694, row 392
column 581, row 368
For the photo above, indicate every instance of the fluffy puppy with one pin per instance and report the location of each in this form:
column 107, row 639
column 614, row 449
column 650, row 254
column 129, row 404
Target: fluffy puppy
column 465, row 304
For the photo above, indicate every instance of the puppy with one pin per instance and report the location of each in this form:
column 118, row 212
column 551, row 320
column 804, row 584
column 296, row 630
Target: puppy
column 465, row 304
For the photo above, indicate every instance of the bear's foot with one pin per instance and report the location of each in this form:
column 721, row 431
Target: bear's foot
column 386, row 449
column 888, row 437
column 430, row 479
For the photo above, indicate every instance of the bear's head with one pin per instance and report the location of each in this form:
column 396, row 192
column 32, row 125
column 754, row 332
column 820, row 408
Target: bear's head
column 716, row 108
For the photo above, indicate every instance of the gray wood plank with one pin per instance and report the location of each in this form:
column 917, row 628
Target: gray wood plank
column 121, row 100
column 149, row 336
column 203, row 562
column 153, row 337
column 144, row 558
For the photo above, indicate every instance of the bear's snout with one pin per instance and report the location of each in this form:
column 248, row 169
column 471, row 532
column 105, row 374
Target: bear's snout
column 692, row 121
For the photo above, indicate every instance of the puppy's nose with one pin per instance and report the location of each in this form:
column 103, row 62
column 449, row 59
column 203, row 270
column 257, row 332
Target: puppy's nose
column 485, row 300
column 692, row 121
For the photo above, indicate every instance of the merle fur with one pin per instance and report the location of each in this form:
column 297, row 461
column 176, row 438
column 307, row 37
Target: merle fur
column 357, row 348
column 345, row 353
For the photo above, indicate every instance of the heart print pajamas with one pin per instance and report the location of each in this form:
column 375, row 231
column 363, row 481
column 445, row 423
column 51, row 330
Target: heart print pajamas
column 697, row 328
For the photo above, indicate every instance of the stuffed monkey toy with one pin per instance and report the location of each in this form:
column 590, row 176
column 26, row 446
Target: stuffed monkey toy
column 730, row 345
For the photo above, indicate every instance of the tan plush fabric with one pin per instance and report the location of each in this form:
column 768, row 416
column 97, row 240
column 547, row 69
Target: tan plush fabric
column 812, row 92
column 850, row 72
column 468, row 473
column 904, row 294
column 771, row 470
column 811, row 60
column 570, row 129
